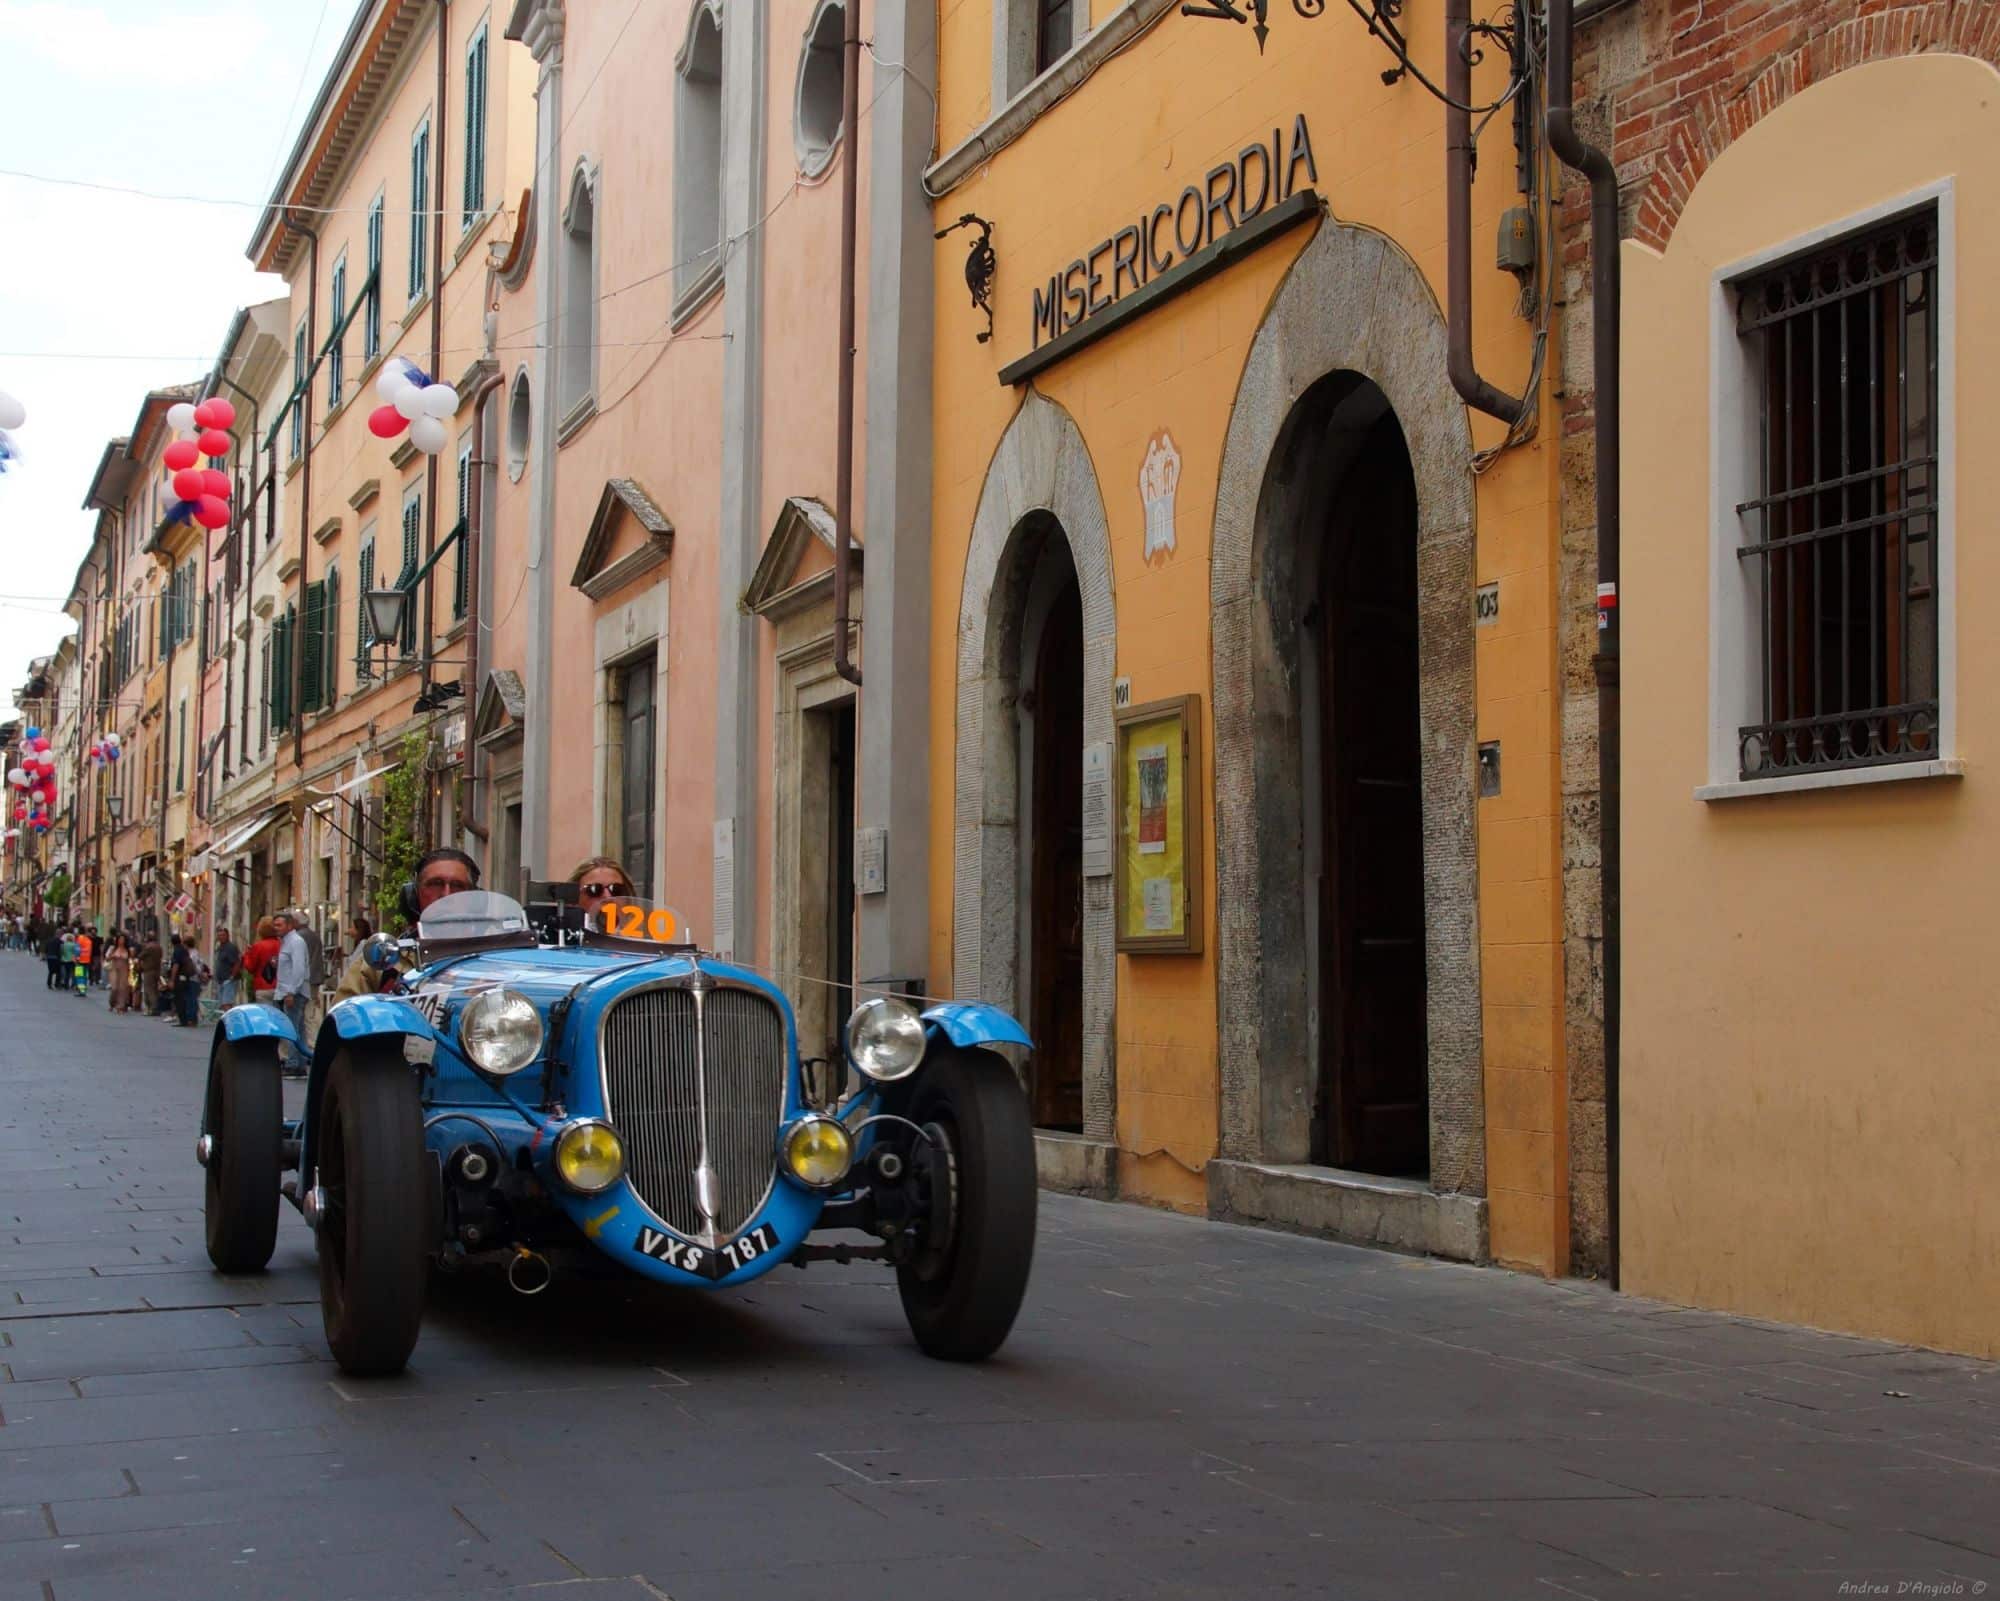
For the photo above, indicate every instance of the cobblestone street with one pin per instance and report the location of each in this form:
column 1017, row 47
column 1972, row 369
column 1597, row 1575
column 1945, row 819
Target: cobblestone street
column 1186, row 1410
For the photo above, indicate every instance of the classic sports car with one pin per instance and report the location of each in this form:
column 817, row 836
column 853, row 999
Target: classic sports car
column 546, row 1086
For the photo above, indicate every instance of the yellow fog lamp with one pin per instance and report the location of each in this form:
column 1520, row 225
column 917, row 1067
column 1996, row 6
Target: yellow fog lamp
column 590, row 1157
column 818, row 1152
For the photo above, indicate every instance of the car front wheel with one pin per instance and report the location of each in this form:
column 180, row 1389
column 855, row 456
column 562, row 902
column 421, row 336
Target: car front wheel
column 241, row 1126
column 976, row 1174
column 374, row 1211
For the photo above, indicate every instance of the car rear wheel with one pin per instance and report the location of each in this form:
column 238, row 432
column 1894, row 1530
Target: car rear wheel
column 375, row 1208
column 242, row 1123
column 976, row 1174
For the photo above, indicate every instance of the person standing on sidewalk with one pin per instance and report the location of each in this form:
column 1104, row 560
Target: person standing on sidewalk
column 119, row 961
column 150, row 957
column 86, row 954
column 260, row 961
column 52, row 950
column 293, row 989
column 186, row 967
column 227, row 964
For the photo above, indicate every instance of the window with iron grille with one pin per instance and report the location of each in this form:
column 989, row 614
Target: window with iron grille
column 1839, row 543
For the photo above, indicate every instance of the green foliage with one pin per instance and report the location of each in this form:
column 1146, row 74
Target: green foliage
column 402, row 826
column 58, row 891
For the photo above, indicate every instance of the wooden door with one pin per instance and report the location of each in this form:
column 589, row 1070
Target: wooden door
column 1056, row 871
column 1373, row 1105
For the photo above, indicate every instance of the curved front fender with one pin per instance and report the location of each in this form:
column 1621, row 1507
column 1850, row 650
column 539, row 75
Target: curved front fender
column 967, row 1023
column 365, row 1016
column 255, row 1022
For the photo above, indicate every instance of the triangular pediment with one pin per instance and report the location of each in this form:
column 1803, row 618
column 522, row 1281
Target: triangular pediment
column 796, row 569
column 629, row 535
column 502, row 708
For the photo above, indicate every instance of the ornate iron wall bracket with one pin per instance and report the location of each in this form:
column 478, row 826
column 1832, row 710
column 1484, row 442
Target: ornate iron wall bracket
column 980, row 265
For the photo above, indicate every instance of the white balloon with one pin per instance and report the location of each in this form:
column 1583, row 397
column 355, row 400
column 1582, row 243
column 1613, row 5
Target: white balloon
column 440, row 400
column 18, row 777
column 393, row 380
column 428, row 435
column 180, row 416
column 409, row 402
column 12, row 412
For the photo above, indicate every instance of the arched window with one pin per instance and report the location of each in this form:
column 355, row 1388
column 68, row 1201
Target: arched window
column 816, row 106
column 519, row 418
column 698, row 159
column 576, row 353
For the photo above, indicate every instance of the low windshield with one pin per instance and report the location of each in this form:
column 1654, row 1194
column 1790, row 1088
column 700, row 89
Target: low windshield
column 628, row 920
column 475, row 914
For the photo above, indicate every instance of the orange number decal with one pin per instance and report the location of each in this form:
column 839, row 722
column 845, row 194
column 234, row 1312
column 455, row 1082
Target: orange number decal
column 660, row 925
column 634, row 921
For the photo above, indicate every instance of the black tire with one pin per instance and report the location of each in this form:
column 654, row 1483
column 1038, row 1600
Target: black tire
column 374, row 1234
column 244, row 1118
column 961, row 1292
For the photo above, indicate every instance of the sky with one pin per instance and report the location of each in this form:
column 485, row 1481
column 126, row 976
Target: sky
column 104, row 296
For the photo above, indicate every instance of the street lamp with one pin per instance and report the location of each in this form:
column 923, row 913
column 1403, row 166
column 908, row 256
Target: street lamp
column 115, row 805
column 385, row 612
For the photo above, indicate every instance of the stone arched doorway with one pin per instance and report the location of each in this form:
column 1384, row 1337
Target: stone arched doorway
column 1354, row 316
column 1039, row 546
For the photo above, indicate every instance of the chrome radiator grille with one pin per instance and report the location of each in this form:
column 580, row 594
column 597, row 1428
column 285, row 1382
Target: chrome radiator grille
column 657, row 1100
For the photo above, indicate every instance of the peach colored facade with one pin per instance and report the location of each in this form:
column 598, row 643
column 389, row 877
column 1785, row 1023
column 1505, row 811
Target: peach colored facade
column 1808, row 1108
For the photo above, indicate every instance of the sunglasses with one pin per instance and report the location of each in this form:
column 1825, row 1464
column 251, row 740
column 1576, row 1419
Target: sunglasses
column 602, row 889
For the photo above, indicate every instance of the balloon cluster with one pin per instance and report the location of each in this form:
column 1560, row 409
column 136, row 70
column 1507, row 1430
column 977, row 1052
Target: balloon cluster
column 200, row 493
column 12, row 415
column 35, row 782
column 105, row 749
column 411, row 399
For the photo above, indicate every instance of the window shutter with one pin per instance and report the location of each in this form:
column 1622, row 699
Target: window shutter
column 329, row 648
column 364, row 636
column 460, row 587
column 475, row 128
column 312, row 625
column 413, row 518
column 420, row 164
column 280, row 696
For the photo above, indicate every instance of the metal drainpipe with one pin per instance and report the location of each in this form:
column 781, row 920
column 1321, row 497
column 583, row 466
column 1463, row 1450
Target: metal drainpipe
column 437, row 340
column 1473, row 389
column 1596, row 165
column 843, row 492
column 305, row 515
column 468, row 555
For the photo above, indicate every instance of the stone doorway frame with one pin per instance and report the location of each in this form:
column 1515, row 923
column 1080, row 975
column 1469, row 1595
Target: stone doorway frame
column 1041, row 470
column 1352, row 302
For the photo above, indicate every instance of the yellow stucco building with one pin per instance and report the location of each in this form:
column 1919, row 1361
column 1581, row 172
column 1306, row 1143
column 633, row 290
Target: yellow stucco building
column 1213, row 525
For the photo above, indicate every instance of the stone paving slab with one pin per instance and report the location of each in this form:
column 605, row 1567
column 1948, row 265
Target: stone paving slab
column 1186, row 1412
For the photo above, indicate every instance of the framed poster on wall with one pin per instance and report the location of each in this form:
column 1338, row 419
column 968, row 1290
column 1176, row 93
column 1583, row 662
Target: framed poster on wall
column 1159, row 827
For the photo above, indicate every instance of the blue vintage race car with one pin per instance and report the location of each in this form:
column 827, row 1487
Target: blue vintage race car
column 536, row 1086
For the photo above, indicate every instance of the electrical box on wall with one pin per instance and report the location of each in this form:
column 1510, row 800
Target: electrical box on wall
column 1516, row 253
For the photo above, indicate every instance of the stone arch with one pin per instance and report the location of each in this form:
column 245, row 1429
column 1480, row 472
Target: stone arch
column 1723, row 113
column 1040, row 476
column 1352, row 302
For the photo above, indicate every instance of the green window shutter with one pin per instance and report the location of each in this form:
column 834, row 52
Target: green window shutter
column 333, row 355
column 312, row 628
column 329, row 649
column 413, row 521
column 364, row 636
column 475, row 117
column 420, row 168
column 281, row 670
column 461, row 588
column 371, row 319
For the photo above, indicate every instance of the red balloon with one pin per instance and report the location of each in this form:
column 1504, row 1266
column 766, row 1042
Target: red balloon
column 190, row 483
column 205, row 417
column 180, row 455
column 221, row 414
column 385, row 422
column 214, row 443
column 213, row 482
column 212, row 511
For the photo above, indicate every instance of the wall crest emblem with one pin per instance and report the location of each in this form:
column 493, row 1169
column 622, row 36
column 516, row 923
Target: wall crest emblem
column 1159, row 477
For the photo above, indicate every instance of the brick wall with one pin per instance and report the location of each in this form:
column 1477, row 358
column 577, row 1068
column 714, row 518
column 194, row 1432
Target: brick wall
column 1666, row 86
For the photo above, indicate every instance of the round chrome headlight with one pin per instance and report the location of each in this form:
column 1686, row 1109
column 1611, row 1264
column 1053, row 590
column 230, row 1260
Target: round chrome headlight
column 590, row 1157
column 885, row 1038
column 818, row 1151
column 500, row 1032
